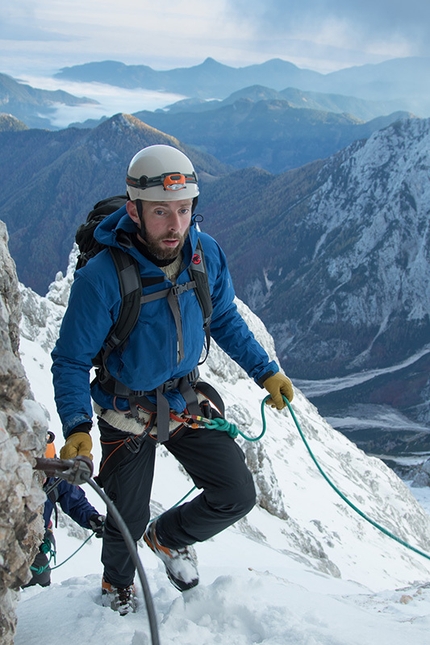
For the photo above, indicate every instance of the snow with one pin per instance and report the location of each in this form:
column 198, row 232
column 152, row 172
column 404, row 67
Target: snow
column 247, row 594
column 306, row 571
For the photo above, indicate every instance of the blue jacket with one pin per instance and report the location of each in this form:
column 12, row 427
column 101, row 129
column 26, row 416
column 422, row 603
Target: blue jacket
column 72, row 500
column 150, row 355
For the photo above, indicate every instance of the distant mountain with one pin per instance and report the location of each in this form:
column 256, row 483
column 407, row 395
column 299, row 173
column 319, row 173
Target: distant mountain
column 52, row 179
column 341, row 271
column 337, row 103
column 267, row 133
column 31, row 105
column 36, row 108
column 402, row 80
column 9, row 123
column 384, row 81
column 258, row 126
column 208, row 80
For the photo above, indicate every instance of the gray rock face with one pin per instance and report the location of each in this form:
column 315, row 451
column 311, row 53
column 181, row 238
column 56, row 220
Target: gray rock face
column 23, row 428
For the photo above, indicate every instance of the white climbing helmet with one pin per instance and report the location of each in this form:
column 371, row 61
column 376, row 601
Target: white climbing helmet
column 161, row 173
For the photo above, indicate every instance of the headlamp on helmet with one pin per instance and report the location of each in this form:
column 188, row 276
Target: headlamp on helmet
column 170, row 181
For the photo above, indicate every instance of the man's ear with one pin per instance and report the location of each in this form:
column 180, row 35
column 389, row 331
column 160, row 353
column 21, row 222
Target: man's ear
column 132, row 212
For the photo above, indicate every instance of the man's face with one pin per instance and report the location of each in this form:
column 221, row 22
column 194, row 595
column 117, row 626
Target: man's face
column 166, row 226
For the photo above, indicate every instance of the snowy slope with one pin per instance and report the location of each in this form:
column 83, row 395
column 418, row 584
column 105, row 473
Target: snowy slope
column 303, row 567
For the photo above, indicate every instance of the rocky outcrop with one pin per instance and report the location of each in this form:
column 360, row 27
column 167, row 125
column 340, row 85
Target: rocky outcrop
column 23, row 426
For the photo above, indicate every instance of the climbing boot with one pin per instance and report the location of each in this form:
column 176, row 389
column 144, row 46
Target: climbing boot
column 180, row 564
column 120, row 599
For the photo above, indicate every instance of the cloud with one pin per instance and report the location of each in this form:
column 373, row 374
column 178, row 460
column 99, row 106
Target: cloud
column 20, row 21
column 365, row 24
column 166, row 35
column 40, row 35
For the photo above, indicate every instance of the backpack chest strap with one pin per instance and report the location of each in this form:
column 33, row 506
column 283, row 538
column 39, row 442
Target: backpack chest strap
column 172, row 294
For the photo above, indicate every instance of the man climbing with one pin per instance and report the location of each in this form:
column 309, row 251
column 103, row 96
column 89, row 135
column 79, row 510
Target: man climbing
column 75, row 504
column 147, row 388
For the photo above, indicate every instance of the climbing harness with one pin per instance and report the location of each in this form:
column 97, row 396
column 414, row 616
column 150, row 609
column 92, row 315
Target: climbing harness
column 200, row 397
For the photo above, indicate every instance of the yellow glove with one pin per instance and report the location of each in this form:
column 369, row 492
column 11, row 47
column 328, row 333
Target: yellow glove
column 277, row 385
column 76, row 444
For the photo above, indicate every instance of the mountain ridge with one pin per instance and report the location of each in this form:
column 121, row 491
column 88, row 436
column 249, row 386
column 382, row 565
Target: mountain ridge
column 336, row 103
column 268, row 133
column 401, row 79
column 205, row 80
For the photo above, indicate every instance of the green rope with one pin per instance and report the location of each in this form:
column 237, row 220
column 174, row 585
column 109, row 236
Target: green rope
column 177, row 503
column 345, row 499
column 74, row 552
column 52, row 556
column 233, row 431
column 46, row 548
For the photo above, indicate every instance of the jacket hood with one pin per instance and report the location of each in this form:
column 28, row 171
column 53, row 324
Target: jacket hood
column 106, row 232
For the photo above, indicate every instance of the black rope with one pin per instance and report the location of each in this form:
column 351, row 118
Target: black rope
column 134, row 556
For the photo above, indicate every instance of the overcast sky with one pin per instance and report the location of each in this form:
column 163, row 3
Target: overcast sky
column 40, row 36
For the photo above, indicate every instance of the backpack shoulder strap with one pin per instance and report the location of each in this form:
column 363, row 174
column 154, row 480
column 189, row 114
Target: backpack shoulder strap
column 199, row 274
column 130, row 289
column 130, row 284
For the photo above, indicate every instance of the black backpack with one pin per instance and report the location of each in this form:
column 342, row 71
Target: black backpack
column 130, row 281
column 88, row 245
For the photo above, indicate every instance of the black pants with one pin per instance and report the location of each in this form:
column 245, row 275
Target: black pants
column 216, row 465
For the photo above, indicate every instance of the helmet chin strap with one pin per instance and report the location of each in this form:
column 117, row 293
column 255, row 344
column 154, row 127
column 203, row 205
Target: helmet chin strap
column 139, row 208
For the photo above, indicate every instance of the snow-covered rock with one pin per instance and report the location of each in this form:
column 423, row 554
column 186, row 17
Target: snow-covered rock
column 23, row 428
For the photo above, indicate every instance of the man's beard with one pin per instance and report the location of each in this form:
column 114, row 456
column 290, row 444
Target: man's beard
column 161, row 253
